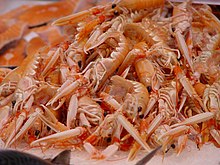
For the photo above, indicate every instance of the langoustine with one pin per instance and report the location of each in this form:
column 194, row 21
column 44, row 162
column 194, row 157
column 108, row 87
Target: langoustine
column 122, row 98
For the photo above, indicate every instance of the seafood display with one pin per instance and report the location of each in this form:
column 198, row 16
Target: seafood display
column 128, row 75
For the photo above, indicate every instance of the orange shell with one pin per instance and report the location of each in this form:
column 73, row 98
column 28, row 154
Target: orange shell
column 200, row 87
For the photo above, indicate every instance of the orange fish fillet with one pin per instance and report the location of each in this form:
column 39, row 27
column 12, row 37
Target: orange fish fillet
column 13, row 56
column 40, row 14
column 12, row 33
column 13, row 14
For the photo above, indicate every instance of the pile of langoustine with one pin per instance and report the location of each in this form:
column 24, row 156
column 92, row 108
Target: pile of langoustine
column 132, row 75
